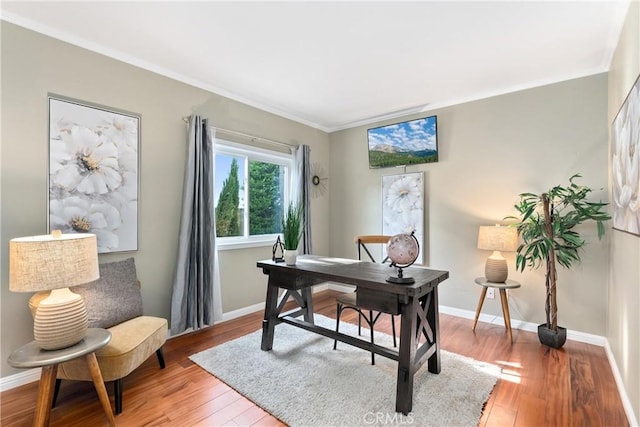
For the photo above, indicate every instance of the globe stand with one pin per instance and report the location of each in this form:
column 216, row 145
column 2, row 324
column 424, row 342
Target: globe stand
column 403, row 250
column 400, row 279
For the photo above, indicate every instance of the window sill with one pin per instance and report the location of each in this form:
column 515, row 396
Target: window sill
column 246, row 243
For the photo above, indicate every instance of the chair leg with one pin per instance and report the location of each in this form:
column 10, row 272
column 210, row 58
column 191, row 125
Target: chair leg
column 117, row 392
column 160, row 355
column 359, row 322
column 338, row 313
column 56, row 390
column 371, row 322
column 393, row 329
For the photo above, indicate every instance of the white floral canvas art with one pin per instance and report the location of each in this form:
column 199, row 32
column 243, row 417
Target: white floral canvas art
column 403, row 206
column 625, row 158
column 93, row 173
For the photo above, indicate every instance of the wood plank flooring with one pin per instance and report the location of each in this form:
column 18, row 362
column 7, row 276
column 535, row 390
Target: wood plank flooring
column 539, row 386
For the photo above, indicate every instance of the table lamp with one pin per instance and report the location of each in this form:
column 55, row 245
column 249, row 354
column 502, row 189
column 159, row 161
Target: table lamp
column 497, row 238
column 55, row 262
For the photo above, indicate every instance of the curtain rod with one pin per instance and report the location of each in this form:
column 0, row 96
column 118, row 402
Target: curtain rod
column 246, row 135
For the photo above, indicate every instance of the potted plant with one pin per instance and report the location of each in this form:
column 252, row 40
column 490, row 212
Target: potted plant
column 292, row 231
column 546, row 225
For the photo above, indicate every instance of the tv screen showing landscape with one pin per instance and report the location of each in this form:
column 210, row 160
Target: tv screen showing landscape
column 407, row 143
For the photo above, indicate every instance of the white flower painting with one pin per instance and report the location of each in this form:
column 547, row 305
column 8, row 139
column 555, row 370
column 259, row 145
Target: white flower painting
column 93, row 173
column 403, row 206
column 625, row 158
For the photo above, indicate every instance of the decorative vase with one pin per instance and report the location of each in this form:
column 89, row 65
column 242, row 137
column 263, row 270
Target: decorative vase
column 290, row 256
column 550, row 338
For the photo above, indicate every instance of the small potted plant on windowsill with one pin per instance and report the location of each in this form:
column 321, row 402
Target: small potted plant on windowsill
column 546, row 227
column 292, row 223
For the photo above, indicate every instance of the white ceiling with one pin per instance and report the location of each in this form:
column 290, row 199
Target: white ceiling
column 334, row 65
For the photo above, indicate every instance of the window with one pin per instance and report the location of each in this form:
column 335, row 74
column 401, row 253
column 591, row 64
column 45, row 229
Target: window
column 252, row 187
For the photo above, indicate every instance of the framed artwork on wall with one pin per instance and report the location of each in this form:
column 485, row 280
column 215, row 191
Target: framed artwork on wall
column 94, row 172
column 406, row 143
column 403, row 206
column 625, row 163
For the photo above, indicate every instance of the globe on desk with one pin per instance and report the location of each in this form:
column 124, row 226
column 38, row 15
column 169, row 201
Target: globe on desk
column 402, row 250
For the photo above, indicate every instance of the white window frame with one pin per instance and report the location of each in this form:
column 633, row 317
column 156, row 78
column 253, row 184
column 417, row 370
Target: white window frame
column 262, row 155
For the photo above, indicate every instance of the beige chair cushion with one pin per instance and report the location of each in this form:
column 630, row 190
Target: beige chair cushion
column 132, row 342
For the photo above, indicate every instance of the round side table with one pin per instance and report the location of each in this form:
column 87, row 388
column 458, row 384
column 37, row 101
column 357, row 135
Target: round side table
column 502, row 287
column 32, row 356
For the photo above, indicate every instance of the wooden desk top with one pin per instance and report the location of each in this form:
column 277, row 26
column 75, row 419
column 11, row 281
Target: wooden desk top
column 359, row 273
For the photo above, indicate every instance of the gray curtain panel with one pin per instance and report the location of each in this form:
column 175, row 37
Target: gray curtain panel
column 302, row 190
column 195, row 302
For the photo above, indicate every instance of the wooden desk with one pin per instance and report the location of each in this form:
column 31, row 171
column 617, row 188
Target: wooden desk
column 417, row 304
column 32, row 356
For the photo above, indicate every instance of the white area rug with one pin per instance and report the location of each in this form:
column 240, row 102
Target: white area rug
column 304, row 382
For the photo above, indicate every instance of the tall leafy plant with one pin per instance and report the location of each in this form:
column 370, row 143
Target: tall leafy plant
column 292, row 226
column 546, row 225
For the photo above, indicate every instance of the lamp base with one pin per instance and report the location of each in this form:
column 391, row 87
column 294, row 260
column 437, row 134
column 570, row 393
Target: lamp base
column 60, row 320
column 496, row 270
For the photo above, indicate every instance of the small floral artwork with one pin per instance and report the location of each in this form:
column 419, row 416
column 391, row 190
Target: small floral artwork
column 93, row 173
column 625, row 159
column 403, row 206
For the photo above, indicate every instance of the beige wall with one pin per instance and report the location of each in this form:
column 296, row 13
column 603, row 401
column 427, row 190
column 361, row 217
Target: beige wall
column 32, row 66
column 623, row 331
column 490, row 151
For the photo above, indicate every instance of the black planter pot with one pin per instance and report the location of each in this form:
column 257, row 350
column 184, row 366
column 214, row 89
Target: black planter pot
column 551, row 338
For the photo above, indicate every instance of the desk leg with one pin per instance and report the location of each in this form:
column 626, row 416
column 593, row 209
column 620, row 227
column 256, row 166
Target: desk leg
column 270, row 314
column 98, row 383
column 406, row 355
column 45, row 395
column 307, row 296
column 433, row 319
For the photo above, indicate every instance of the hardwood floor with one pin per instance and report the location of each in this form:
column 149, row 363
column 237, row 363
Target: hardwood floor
column 539, row 386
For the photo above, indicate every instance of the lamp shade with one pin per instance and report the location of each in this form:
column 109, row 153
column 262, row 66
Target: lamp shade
column 498, row 238
column 52, row 261
column 55, row 262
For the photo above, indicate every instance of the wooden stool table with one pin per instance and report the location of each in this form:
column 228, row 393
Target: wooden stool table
column 32, row 356
column 502, row 287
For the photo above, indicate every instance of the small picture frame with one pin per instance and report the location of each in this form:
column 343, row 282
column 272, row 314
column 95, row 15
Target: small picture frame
column 94, row 172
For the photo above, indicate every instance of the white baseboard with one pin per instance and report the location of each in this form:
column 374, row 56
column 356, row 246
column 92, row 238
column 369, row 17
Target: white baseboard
column 522, row 325
column 21, row 378
column 626, row 403
column 234, row 314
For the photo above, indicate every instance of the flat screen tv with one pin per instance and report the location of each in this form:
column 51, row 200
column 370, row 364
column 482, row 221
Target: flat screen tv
column 406, row 143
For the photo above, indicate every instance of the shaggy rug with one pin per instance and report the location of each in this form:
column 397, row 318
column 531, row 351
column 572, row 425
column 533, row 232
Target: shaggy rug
column 304, row 382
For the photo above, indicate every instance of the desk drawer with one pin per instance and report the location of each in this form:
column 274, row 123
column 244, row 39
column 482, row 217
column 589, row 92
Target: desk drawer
column 379, row 301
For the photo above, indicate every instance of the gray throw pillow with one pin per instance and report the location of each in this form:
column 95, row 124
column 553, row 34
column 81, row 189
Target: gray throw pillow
column 115, row 297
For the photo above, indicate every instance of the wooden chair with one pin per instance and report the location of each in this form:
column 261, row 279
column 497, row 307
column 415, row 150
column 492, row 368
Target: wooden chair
column 350, row 300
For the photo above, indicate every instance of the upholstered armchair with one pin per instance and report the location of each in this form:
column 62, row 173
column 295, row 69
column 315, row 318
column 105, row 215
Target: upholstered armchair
column 114, row 302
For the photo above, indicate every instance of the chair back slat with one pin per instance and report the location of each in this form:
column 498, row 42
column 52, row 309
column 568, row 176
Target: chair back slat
column 362, row 241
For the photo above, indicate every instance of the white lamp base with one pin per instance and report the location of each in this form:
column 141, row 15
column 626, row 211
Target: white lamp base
column 496, row 270
column 60, row 320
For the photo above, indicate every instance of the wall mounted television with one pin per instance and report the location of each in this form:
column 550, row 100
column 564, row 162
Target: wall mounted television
column 405, row 143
